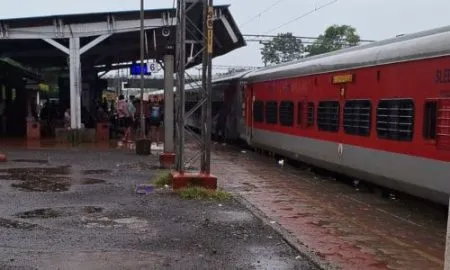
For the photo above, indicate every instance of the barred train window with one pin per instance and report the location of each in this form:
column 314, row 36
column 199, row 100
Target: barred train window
column 271, row 112
column 287, row 113
column 310, row 110
column 357, row 115
column 395, row 119
column 258, row 111
column 430, row 120
column 328, row 116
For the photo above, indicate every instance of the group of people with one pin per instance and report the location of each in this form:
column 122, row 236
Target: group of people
column 129, row 117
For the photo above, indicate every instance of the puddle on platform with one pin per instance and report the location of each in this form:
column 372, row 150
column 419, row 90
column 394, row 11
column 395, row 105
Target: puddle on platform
column 56, row 179
column 39, row 179
column 95, row 172
column 45, row 213
column 28, row 172
column 40, row 213
column 12, row 224
column 92, row 181
column 92, row 209
column 42, row 186
column 38, row 161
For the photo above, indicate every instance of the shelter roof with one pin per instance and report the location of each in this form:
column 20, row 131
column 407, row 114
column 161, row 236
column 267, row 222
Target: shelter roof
column 23, row 39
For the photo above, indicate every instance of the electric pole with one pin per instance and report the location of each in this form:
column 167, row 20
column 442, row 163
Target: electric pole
column 206, row 44
column 142, row 73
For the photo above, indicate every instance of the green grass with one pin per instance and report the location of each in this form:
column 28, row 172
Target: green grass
column 162, row 179
column 197, row 193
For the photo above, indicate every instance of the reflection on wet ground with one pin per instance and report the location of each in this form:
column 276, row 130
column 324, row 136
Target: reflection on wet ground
column 54, row 144
column 93, row 181
column 59, row 212
column 44, row 179
column 8, row 223
column 38, row 161
column 91, row 172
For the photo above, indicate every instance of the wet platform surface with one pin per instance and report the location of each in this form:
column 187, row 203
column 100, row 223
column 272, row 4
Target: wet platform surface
column 76, row 208
column 352, row 229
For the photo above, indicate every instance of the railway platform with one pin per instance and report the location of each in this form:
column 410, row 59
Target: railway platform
column 68, row 207
column 334, row 223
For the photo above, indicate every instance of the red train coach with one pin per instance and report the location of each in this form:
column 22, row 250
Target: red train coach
column 379, row 112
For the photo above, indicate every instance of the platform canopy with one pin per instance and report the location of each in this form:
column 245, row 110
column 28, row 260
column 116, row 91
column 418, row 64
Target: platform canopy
column 92, row 42
column 111, row 37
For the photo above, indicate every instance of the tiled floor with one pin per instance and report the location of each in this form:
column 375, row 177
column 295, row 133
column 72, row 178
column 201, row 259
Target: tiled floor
column 354, row 230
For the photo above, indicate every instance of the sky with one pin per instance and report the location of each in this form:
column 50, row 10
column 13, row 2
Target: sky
column 373, row 19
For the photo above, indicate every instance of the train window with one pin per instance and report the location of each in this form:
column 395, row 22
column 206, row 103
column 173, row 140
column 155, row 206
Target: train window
column 310, row 111
column 430, row 120
column 271, row 112
column 258, row 111
column 300, row 113
column 395, row 119
column 328, row 116
column 287, row 113
column 357, row 115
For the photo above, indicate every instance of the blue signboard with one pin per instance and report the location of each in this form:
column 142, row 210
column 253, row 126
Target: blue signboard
column 135, row 69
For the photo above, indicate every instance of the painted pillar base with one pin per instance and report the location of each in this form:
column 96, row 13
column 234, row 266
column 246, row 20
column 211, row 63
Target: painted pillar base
column 3, row 158
column 186, row 180
column 167, row 160
column 33, row 130
column 102, row 132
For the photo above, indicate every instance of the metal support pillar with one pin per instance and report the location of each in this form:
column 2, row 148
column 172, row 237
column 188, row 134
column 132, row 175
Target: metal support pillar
column 181, row 68
column 208, row 13
column 142, row 45
column 204, row 177
column 169, row 146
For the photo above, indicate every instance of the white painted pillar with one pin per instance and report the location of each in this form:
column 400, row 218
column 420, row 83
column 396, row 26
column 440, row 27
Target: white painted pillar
column 75, row 83
column 169, row 146
column 75, row 52
column 447, row 241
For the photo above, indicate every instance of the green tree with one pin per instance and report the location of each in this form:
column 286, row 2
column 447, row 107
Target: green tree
column 336, row 37
column 282, row 48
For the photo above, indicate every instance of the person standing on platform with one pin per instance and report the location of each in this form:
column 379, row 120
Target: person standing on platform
column 155, row 119
column 123, row 117
column 67, row 119
column 132, row 112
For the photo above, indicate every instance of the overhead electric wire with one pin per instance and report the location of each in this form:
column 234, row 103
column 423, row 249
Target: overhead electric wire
column 261, row 37
column 262, row 12
column 302, row 16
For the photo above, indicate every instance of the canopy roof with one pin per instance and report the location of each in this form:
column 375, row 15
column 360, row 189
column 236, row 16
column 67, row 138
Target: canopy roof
column 23, row 39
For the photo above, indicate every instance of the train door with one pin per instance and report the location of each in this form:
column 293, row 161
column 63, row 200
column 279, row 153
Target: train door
column 443, row 125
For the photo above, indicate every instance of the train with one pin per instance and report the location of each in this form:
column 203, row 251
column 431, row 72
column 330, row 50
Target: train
column 378, row 112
